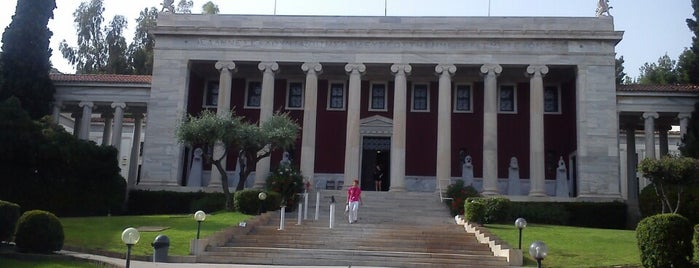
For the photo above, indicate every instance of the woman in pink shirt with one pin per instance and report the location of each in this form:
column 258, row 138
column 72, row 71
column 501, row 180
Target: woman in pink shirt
column 354, row 198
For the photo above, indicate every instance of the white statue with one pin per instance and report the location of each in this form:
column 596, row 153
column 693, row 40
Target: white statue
column 285, row 159
column 195, row 170
column 513, row 185
column 467, row 171
column 561, row 179
column 602, row 8
column 168, row 6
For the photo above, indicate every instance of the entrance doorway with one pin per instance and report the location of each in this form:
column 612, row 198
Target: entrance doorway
column 375, row 151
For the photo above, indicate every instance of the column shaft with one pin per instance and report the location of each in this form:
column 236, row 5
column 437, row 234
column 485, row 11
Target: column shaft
column 355, row 71
column 107, row 132
column 631, row 181
column 57, row 106
column 490, row 129
column 684, row 121
column 649, row 129
column 310, row 109
column 135, row 149
column 86, row 120
column 537, row 182
column 223, row 106
column 443, row 172
column 400, row 99
column 266, row 110
column 77, row 117
column 118, row 124
column 662, row 141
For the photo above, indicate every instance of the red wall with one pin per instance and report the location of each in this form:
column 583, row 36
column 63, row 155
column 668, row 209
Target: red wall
column 330, row 134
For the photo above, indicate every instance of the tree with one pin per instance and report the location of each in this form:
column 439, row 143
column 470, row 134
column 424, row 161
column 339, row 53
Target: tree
column 690, row 141
column 229, row 131
column 185, row 6
column 25, row 61
column 684, row 63
column 670, row 172
column 621, row 76
column 693, row 66
column 209, row 8
column 96, row 54
column 141, row 49
column 662, row 73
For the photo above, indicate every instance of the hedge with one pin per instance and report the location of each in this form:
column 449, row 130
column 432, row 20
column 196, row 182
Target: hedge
column 248, row 202
column 9, row 214
column 665, row 240
column 143, row 202
column 39, row 231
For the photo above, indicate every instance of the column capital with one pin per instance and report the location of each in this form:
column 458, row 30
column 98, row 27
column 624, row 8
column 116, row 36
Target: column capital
column 86, row 103
column 401, row 68
column 444, row 69
column 537, row 70
column 358, row 67
column 268, row 66
column 647, row 115
column 137, row 116
column 314, row 67
column 118, row 104
column 684, row 116
column 227, row 65
column 487, row 69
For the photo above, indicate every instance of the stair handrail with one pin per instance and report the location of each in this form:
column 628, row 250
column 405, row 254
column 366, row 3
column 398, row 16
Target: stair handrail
column 442, row 192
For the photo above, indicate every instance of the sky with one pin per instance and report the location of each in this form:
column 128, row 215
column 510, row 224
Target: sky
column 652, row 28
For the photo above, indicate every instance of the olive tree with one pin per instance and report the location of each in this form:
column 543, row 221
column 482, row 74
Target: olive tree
column 669, row 172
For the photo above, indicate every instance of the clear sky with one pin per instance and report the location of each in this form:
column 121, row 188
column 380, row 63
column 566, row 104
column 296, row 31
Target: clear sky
column 651, row 28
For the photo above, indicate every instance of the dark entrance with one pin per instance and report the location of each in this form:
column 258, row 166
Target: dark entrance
column 376, row 151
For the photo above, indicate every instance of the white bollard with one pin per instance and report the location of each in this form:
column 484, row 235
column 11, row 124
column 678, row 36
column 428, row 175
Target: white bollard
column 298, row 219
column 305, row 205
column 332, row 215
column 317, row 203
column 281, row 220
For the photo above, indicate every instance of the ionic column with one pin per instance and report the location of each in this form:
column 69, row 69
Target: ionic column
column 107, row 132
column 537, row 183
column 684, row 121
column 310, row 109
column 57, row 106
column 490, row 128
column 400, row 99
column 77, row 117
column 355, row 71
column 649, row 129
column 86, row 119
column 118, row 123
column 662, row 141
column 443, row 173
column 631, row 181
column 223, row 106
column 135, row 149
column 266, row 110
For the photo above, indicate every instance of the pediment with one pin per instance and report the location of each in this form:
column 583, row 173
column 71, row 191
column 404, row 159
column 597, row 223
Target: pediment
column 376, row 125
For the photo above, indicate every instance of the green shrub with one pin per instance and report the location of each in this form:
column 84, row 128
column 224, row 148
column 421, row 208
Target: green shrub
column 649, row 202
column 664, row 240
column 540, row 212
column 486, row 210
column 39, row 231
column 248, row 202
column 287, row 181
column 458, row 194
column 474, row 210
column 9, row 214
column 209, row 202
column 696, row 242
column 608, row 215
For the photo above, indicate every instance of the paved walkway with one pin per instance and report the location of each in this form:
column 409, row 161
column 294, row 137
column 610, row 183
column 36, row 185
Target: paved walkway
column 142, row 264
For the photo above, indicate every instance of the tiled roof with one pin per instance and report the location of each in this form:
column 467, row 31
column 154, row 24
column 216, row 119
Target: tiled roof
column 102, row 78
column 658, row 88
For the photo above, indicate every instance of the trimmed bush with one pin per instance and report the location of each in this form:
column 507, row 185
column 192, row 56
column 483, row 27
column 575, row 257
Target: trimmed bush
column 458, row 194
column 696, row 242
column 166, row 202
column 9, row 214
column 540, row 212
column 247, row 201
column 649, row 202
column 39, row 231
column 209, row 202
column 486, row 210
column 474, row 210
column 664, row 240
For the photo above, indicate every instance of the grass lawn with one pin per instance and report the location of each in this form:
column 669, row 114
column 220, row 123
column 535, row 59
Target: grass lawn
column 5, row 262
column 104, row 233
column 574, row 246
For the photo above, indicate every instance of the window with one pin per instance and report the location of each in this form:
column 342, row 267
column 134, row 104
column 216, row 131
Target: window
column 336, row 96
column 552, row 100
column 421, row 98
column 507, row 99
column 377, row 97
column 462, row 98
column 253, row 94
column 211, row 94
column 294, row 95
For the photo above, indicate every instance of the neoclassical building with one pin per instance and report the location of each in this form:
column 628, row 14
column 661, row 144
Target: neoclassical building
column 411, row 94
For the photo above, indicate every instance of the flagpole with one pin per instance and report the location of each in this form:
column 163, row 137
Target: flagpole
column 275, row 7
column 488, row 8
column 385, row 7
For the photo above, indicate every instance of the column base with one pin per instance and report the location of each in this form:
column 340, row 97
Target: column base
column 396, row 189
column 537, row 194
column 490, row 192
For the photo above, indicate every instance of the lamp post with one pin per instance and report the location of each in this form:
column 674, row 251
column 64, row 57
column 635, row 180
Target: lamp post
column 130, row 237
column 538, row 251
column 262, row 196
column 520, row 223
column 200, row 216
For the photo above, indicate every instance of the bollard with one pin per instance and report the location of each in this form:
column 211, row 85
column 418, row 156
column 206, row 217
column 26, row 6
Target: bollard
column 332, row 211
column 160, row 248
column 305, row 205
column 298, row 219
column 281, row 220
column 317, row 203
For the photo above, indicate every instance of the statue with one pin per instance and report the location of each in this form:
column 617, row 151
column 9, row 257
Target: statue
column 513, row 185
column 286, row 161
column 562, row 179
column 168, row 6
column 467, row 171
column 602, row 8
column 194, row 178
